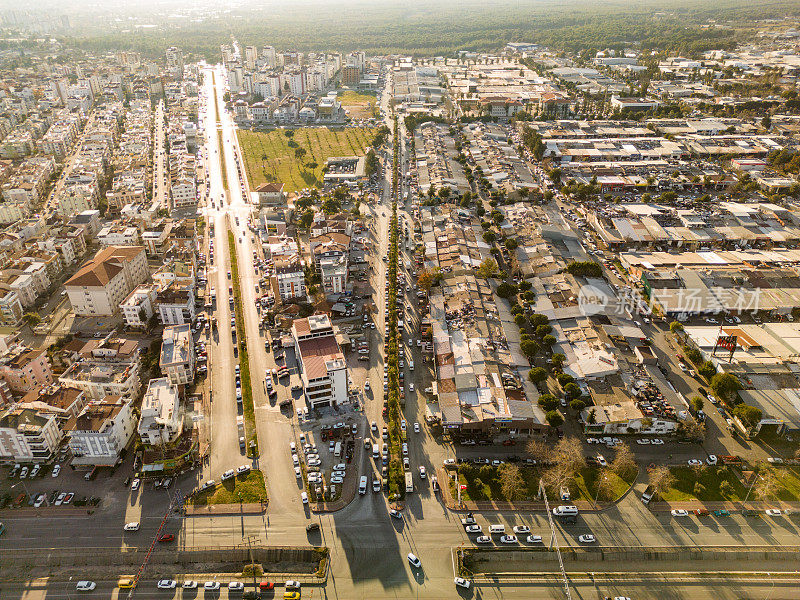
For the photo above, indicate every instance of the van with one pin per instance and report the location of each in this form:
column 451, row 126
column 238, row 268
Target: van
column 565, row 511
column 497, row 529
column 362, row 485
column 376, row 451
column 337, row 452
column 125, row 583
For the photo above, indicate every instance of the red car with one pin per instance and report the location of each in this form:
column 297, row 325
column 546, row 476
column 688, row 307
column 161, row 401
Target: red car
column 266, row 585
column 167, row 537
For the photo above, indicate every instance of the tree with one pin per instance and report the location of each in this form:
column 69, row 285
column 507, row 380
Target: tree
column 299, row 153
column 488, row 268
column 306, row 219
column 529, row 348
column 32, row 319
column 425, row 280
column 566, row 458
column 506, row 290
column 766, row 486
column 725, row 386
column 676, row 327
column 511, row 244
column 585, row 268
column 577, row 405
column 749, row 415
column 548, row 402
column 511, row 482
column 548, row 340
column 697, row 403
column 572, row 390
column 520, row 320
column 558, row 360
column 489, row 237
column 554, row 418
column 591, row 419
column 707, row 369
column 624, row 463
column 661, row 478
column 537, row 375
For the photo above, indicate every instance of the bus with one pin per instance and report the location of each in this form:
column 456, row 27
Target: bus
column 409, row 482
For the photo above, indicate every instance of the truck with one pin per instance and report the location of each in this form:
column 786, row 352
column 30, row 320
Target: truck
column 409, row 482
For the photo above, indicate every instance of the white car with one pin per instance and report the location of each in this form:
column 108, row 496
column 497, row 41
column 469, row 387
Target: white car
column 483, row 539
column 167, row 584
column 773, row 512
column 292, row 585
column 415, row 562
column 657, row 442
column 298, row 473
column 243, row 469
column 679, row 512
column 229, row 474
column 211, row 585
column 410, row 387
column 522, row 529
column 132, row 526
column 508, row 539
column 135, row 484
column 235, row 586
column 396, row 513
column 304, row 498
column 60, row 500
column 587, row 538
column 534, row 539
column 473, row 529
column 337, row 479
column 85, row 586
column 643, row 441
column 56, row 471
column 416, row 427
column 189, row 584
column 711, row 460
column 601, row 460
column 422, row 473
column 461, row 582
column 695, row 463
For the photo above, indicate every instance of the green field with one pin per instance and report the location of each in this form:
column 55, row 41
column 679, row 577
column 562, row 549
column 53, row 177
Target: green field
column 269, row 157
column 711, row 479
column 246, row 489
column 360, row 106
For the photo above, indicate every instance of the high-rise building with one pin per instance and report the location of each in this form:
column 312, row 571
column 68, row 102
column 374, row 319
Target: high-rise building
column 250, row 57
column 174, row 61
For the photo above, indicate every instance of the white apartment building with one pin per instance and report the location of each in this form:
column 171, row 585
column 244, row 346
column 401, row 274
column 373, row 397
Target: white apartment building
column 103, row 283
column 177, row 354
column 101, row 431
column 184, row 192
column 290, row 282
column 74, row 199
column 118, row 235
column 11, row 309
column 101, row 378
column 323, row 368
column 161, row 420
column 139, row 307
column 28, row 435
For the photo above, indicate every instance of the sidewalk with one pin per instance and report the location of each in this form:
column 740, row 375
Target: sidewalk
column 691, row 505
column 227, row 509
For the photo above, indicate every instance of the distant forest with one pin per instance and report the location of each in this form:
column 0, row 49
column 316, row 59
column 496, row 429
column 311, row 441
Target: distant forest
column 443, row 28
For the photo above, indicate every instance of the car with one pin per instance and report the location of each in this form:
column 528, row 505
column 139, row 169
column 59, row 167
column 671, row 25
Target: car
column 773, row 512
column 587, row 538
column 291, row 595
column 721, row 513
column 229, row 474
column 693, row 462
column 422, row 473
column 508, row 539
column 395, row 513
column 643, row 441
column 461, row 582
column 189, row 584
column 304, row 497
column 292, row 585
column 483, row 539
column 679, row 512
column 167, row 584
column 56, row 471
column 337, row 479
column 522, row 529
column 701, row 512
column 711, row 460
column 132, row 526
column 266, row 586
column 211, row 585
column 416, row 427
column 298, row 473
column 657, row 442
column 415, row 562
column 243, row 469
column 85, row 586
column 601, row 460
column 473, row 529
column 235, row 586
column 312, row 527
column 534, row 539
column 166, row 537
column 69, row 498
column 60, row 499
column 39, row 500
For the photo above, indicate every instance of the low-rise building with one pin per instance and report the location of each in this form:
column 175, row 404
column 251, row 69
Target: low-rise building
column 139, row 307
column 101, row 431
column 177, row 354
column 161, row 420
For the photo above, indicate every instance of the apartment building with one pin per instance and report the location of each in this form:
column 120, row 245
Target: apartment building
column 28, row 436
column 289, row 281
column 103, row 283
column 323, row 368
column 161, row 420
column 11, row 309
column 177, row 354
column 175, row 304
column 24, row 369
column 139, row 307
column 101, row 431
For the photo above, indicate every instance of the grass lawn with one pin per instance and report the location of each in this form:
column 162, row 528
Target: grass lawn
column 711, row 478
column 246, row 489
column 269, row 157
column 484, row 485
column 789, row 484
column 360, row 106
